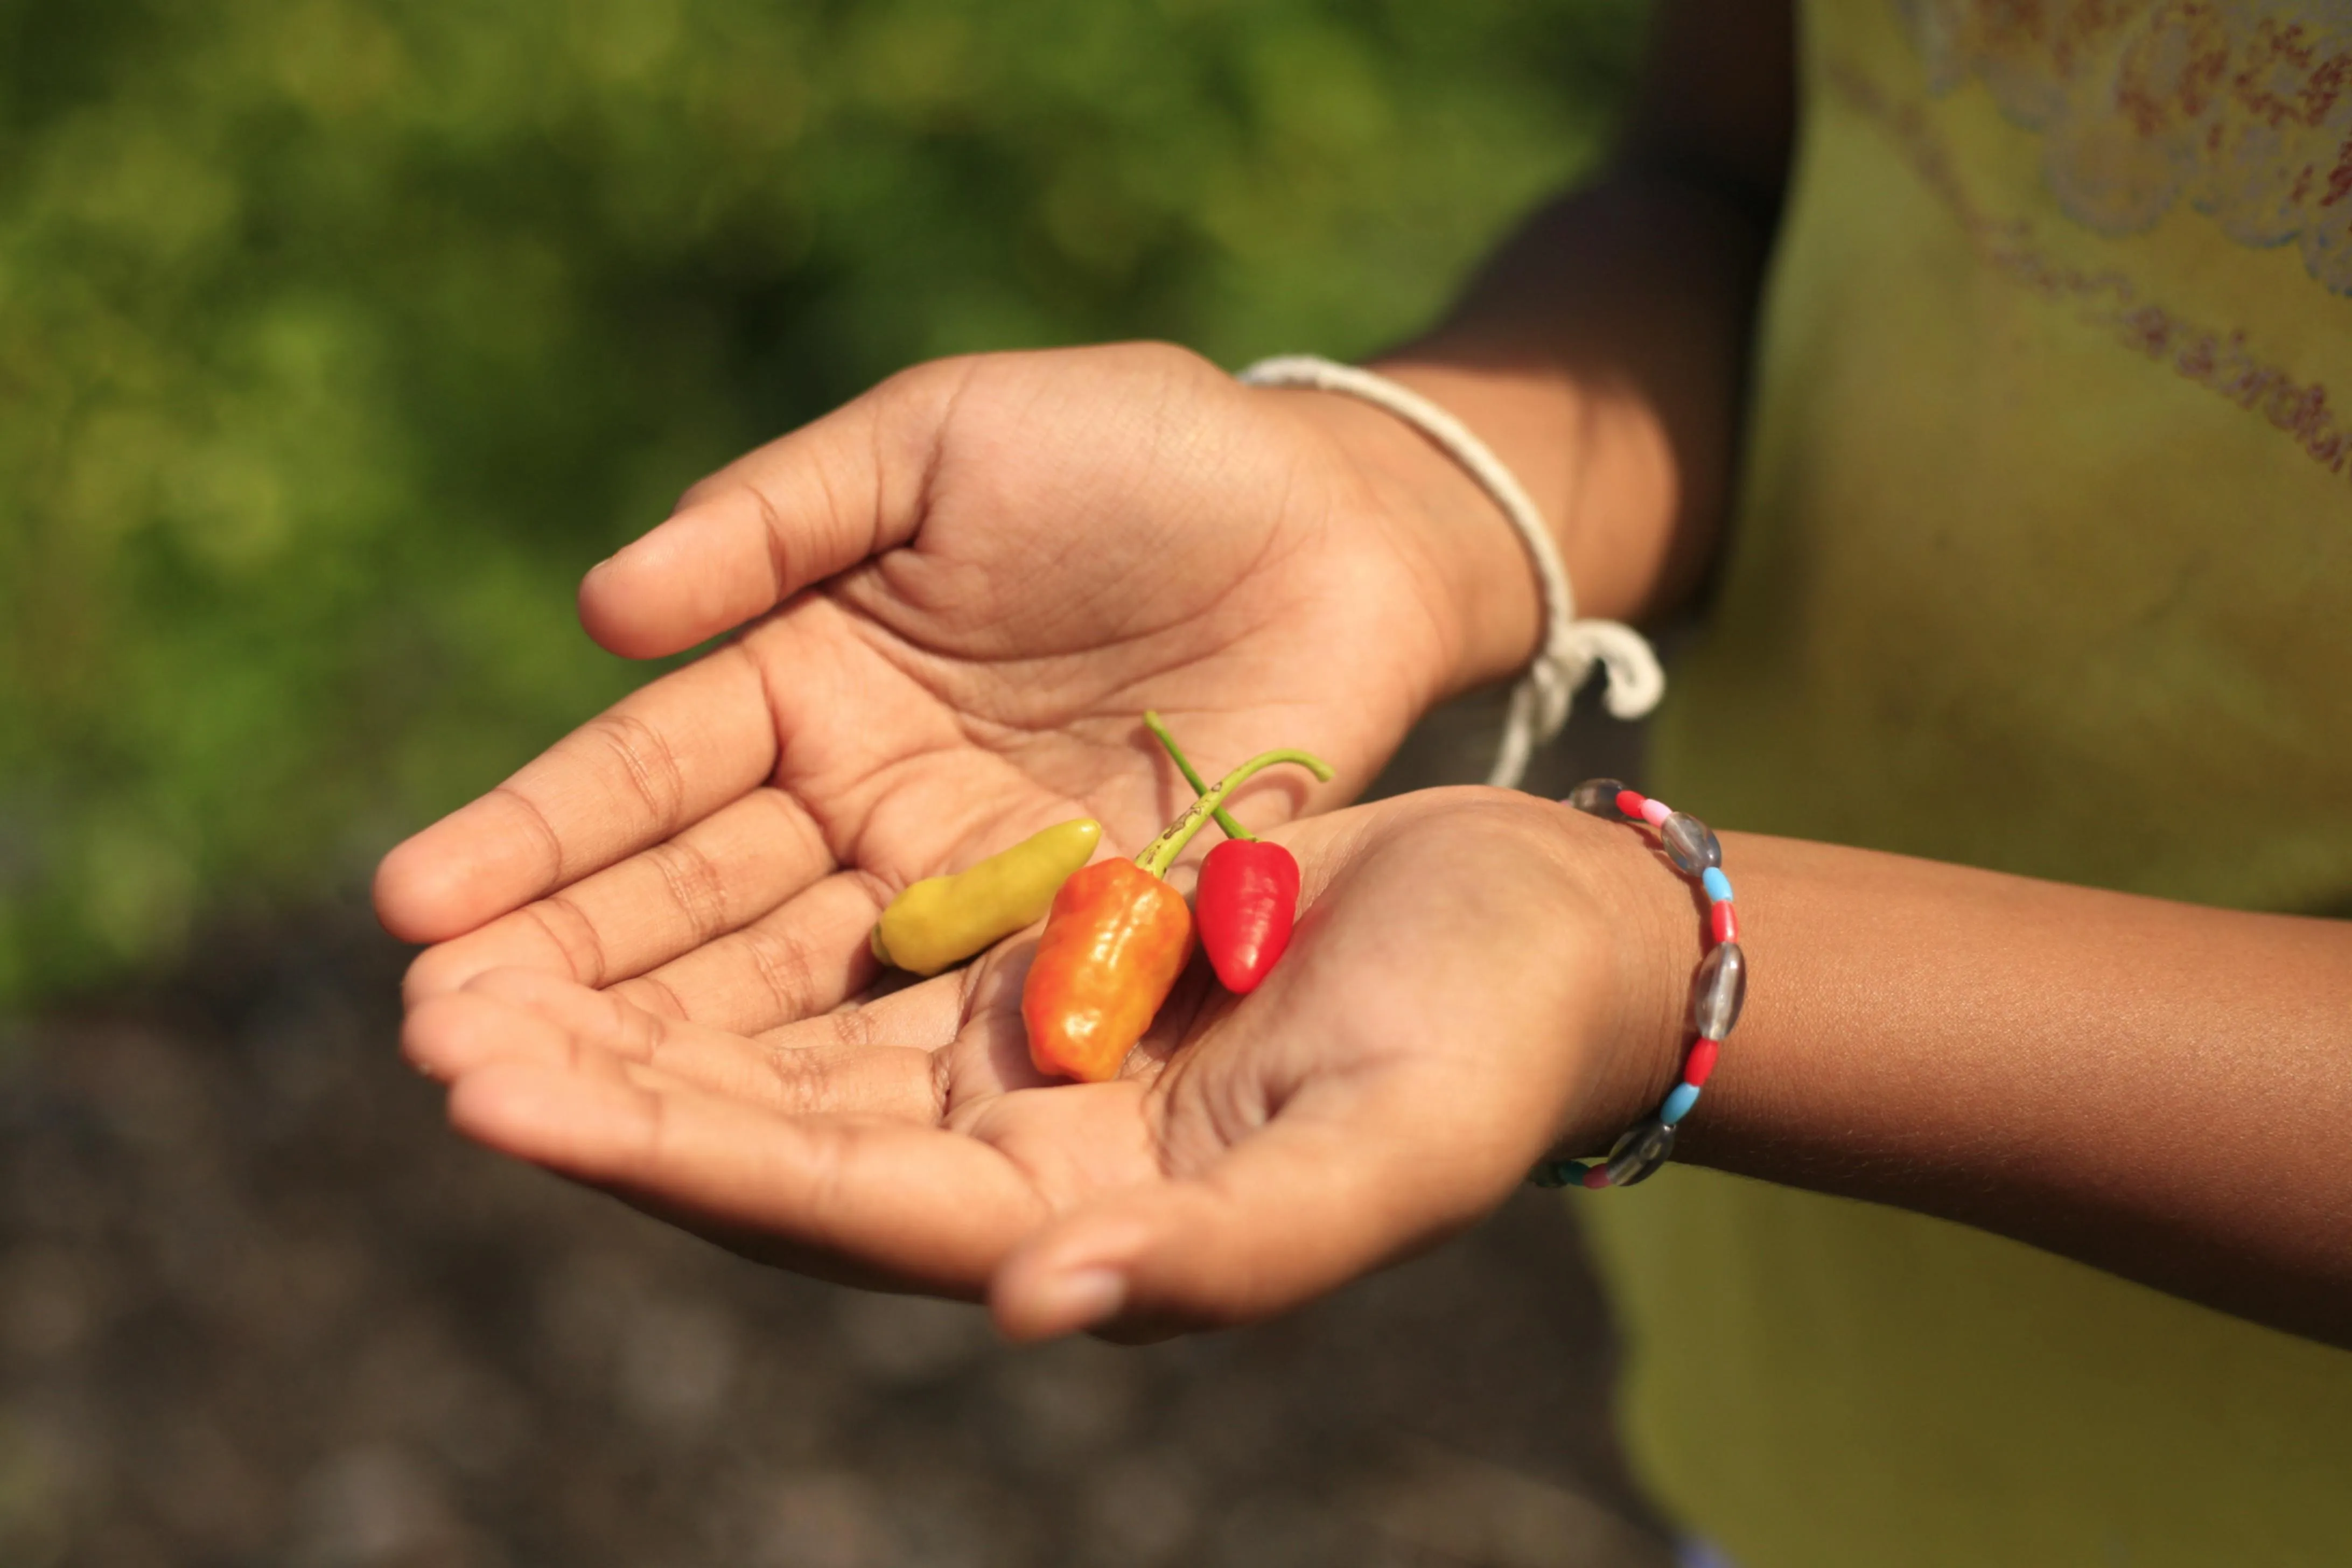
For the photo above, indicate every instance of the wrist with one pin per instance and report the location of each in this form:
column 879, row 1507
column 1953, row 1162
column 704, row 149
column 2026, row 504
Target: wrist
column 1641, row 941
column 1481, row 588
column 1596, row 462
column 1592, row 469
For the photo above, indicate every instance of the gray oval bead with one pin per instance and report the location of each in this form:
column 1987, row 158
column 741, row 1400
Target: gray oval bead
column 1598, row 797
column 1691, row 842
column 1646, row 1146
column 1720, row 988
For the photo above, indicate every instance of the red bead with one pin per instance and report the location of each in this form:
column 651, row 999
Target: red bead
column 1630, row 802
column 1596, row 1177
column 1700, row 1064
column 1723, row 922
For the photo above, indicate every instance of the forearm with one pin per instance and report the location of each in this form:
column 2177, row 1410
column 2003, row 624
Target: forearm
column 1602, row 351
column 2158, row 1089
column 1603, row 357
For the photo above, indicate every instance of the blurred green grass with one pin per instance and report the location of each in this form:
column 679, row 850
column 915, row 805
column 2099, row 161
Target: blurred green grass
column 337, row 337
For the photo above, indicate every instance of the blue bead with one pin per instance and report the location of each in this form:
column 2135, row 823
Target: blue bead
column 1678, row 1104
column 1717, row 885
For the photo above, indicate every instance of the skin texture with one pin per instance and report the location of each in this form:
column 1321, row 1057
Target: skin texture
column 1390, row 1082
column 2151, row 1087
column 960, row 675
column 638, row 938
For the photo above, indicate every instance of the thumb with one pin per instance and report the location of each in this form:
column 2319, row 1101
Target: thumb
column 793, row 512
column 1308, row 1202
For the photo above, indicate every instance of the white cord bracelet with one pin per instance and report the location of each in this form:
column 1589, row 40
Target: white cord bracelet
column 1571, row 647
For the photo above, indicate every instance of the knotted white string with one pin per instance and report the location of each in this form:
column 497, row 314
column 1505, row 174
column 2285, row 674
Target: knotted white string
column 1571, row 647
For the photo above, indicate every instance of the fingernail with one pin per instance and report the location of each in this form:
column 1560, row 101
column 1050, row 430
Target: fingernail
column 1083, row 1298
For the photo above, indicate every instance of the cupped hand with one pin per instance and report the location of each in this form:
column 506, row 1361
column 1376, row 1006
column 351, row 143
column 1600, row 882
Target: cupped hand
column 968, row 585
column 1475, row 977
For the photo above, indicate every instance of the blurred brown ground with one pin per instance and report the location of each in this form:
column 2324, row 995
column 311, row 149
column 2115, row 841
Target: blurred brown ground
column 257, row 1306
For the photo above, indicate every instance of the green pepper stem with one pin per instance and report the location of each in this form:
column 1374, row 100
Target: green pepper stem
column 1151, row 721
column 1162, row 851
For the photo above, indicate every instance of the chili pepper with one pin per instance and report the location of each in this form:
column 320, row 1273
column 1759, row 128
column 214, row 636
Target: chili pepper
column 1248, row 896
column 1115, row 941
column 942, row 920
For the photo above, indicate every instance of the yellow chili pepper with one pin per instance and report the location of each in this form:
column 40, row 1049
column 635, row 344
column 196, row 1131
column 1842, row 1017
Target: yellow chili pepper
column 942, row 920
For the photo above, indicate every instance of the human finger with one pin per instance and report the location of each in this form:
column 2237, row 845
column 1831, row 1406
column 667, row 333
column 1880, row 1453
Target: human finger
column 737, row 864
column 793, row 512
column 661, row 758
column 877, row 1059
column 805, row 957
column 455, row 1033
column 929, row 1209
column 471, row 1030
column 1295, row 1210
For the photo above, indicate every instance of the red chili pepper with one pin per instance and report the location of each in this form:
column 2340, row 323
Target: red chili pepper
column 1115, row 942
column 1248, row 896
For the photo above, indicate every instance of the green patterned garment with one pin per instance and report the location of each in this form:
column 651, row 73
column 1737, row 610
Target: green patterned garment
column 2043, row 564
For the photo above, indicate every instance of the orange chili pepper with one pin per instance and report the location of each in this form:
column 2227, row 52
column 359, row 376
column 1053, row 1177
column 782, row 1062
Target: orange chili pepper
column 1116, row 939
column 1114, row 944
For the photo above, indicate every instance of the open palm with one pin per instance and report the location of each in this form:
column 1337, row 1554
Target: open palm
column 967, row 586
column 1454, row 1002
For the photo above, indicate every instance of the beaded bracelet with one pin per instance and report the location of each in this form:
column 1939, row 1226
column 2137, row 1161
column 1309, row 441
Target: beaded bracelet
column 1715, row 994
